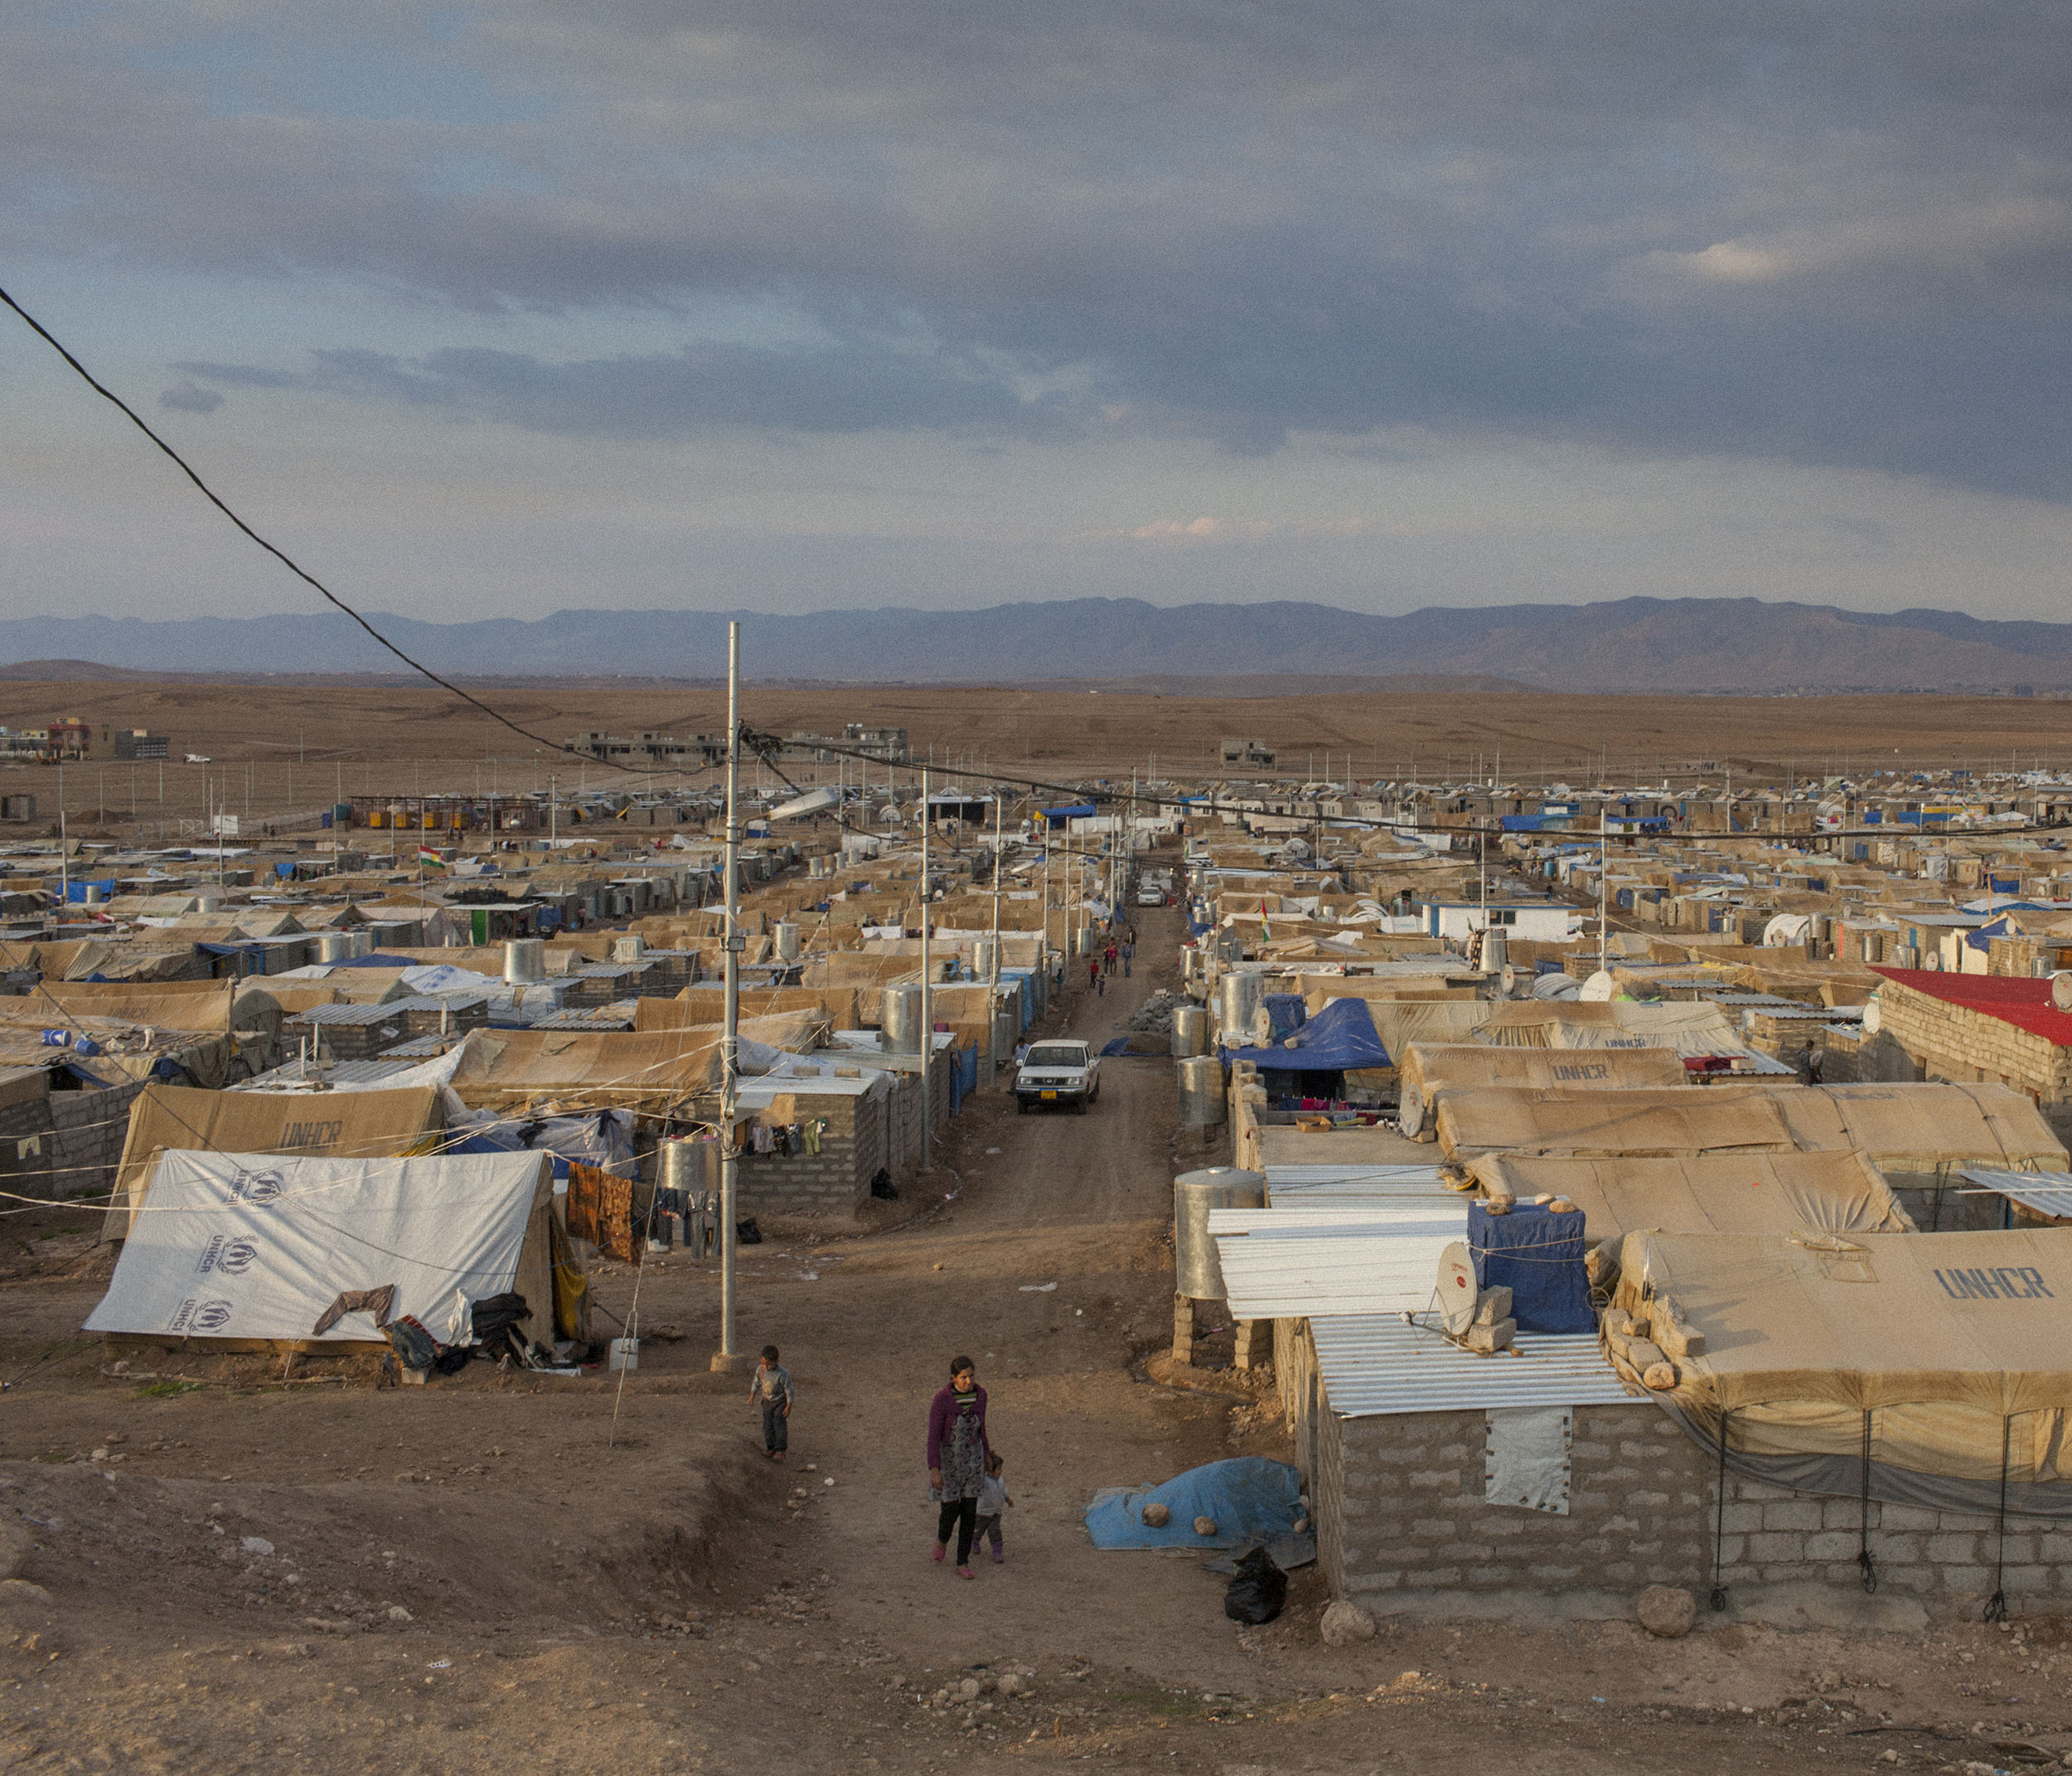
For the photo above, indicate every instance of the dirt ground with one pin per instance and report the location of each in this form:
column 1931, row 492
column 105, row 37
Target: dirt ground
column 277, row 748
column 249, row 1573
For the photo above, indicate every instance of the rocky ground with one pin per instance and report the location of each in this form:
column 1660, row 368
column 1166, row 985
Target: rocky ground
column 221, row 1569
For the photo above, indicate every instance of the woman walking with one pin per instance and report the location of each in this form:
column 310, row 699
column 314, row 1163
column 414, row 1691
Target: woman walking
column 958, row 1457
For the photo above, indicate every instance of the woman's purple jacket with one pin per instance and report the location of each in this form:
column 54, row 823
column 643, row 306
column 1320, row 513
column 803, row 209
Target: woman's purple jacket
column 941, row 1410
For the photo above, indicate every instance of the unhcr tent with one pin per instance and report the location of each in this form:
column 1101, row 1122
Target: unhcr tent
column 243, row 1250
column 1670, row 1122
column 659, row 1071
column 1430, row 1070
column 1692, row 1029
column 1750, row 1192
column 1946, row 1361
column 337, row 1125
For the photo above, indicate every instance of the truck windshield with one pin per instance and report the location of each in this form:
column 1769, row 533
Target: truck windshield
column 1055, row 1054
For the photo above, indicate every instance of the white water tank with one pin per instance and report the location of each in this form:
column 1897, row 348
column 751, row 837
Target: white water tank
column 1239, row 997
column 787, row 940
column 334, row 947
column 1201, row 1082
column 985, row 960
column 902, row 1019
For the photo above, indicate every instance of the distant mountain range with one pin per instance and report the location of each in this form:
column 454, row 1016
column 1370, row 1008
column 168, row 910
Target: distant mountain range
column 1723, row 644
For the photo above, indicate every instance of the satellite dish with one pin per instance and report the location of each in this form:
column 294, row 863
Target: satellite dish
column 2061, row 992
column 1598, row 989
column 1457, row 1289
column 1509, row 979
column 1874, row 1015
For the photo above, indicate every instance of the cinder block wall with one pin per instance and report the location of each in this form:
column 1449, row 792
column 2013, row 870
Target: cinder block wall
column 87, row 1132
column 1400, row 1508
column 1945, row 1559
column 833, row 1180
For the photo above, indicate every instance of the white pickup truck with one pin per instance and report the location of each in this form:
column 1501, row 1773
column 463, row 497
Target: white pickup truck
column 1057, row 1072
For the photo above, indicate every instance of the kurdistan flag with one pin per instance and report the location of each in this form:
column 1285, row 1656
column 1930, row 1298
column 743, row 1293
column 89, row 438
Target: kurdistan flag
column 430, row 858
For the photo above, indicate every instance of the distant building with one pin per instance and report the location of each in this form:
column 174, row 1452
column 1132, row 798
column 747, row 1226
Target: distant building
column 1248, row 753
column 656, row 749
column 138, row 743
column 69, row 738
column 887, row 745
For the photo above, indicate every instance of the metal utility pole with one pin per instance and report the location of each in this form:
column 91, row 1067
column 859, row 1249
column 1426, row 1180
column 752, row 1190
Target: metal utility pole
column 554, row 808
column 727, row 1358
column 927, row 986
column 1604, row 893
column 993, row 982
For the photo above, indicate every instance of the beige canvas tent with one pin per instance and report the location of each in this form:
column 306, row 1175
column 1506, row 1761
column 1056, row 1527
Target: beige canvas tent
column 1747, row 1192
column 335, row 1124
column 659, row 1071
column 1685, row 1028
column 1429, row 1071
column 1667, row 1122
column 1936, row 1347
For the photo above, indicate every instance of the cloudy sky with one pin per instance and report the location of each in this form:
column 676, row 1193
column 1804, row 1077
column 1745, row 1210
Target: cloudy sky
column 785, row 304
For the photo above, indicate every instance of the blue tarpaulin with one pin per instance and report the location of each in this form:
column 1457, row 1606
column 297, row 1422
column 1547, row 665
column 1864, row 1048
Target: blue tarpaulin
column 1340, row 1036
column 1251, row 1500
column 1079, row 811
column 1285, row 1012
column 1538, row 1256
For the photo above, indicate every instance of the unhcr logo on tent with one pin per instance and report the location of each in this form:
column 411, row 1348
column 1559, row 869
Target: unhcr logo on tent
column 312, row 1133
column 200, row 1316
column 232, row 1257
column 2004, row 1284
column 258, row 1188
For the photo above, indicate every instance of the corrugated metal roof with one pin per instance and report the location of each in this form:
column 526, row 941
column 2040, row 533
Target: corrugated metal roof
column 296, row 1075
column 1375, row 1365
column 1378, row 1258
column 1344, row 1186
column 2042, row 1192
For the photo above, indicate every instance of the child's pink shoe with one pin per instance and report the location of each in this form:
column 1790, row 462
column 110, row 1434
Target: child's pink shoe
column 936, row 1551
column 966, row 1572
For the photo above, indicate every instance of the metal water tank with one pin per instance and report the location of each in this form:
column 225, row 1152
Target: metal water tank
column 362, row 940
column 1200, row 1273
column 334, row 947
column 787, row 940
column 1496, row 950
column 630, row 948
column 1201, row 1105
column 985, row 959
column 902, row 1020
column 1190, row 1031
column 1237, row 1001
column 525, row 961
column 681, row 1165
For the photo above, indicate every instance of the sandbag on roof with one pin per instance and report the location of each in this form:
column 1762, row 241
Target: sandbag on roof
column 338, row 1124
column 1428, row 1071
column 1944, row 1338
column 242, row 1247
column 1669, row 1121
column 1749, row 1192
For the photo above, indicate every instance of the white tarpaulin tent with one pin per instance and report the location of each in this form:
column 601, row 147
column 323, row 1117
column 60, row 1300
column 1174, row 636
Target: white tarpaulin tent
column 256, row 1247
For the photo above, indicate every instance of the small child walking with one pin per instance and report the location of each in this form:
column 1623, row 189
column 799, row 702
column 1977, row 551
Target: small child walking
column 992, row 1500
column 770, row 1387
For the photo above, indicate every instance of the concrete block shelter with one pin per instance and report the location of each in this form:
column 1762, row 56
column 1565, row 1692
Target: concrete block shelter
column 1406, row 1524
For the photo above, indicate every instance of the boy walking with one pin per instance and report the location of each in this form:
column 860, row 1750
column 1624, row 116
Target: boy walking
column 992, row 1500
column 770, row 1387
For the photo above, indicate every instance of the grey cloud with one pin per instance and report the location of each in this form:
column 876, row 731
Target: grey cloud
column 835, row 387
column 1831, row 232
column 189, row 398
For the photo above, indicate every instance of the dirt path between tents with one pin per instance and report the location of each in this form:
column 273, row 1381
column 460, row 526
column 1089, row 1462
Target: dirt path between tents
column 247, row 1575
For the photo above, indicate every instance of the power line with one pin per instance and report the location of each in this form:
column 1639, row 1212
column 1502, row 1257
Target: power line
column 287, row 561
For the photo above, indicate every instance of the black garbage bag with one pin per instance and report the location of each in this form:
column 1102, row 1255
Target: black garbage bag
column 747, row 1233
column 1258, row 1592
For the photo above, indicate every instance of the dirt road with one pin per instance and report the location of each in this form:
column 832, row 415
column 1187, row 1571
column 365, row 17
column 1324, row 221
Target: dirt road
column 248, row 1576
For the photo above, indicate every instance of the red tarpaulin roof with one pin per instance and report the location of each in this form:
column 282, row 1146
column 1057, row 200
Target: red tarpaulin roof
column 2012, row 999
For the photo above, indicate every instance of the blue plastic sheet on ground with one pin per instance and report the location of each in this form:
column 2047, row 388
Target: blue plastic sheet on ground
column 1538, row 1256
column 1251, row 1500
